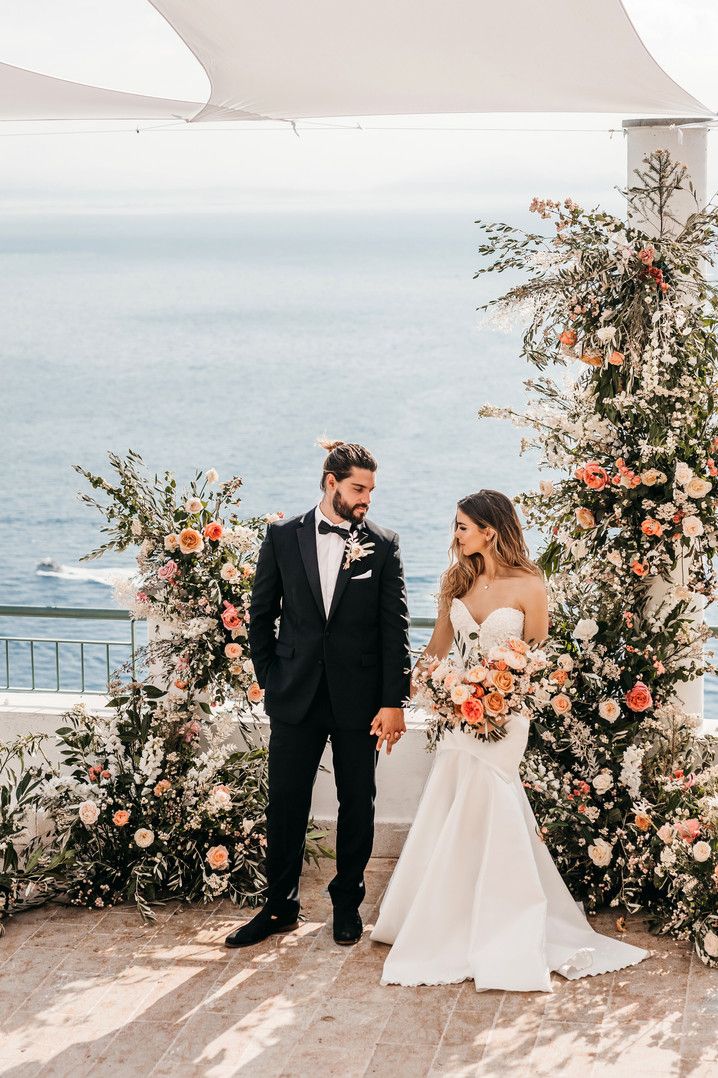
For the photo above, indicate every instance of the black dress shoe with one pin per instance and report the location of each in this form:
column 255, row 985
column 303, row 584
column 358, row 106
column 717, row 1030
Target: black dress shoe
column 347, row 927
column 260, row 927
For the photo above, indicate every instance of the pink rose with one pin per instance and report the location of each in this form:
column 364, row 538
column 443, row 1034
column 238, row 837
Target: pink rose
column 168, row 570
column 688, row 830
column 639, row 697
column 230, row 617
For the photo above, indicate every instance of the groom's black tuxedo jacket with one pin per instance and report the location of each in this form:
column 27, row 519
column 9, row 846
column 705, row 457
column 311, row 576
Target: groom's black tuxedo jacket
column 362, row 646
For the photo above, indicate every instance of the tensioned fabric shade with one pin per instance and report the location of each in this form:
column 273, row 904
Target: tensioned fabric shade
column 297, row 59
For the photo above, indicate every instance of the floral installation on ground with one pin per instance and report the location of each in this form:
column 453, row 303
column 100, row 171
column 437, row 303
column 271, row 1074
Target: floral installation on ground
column 623, row 784
column 141, row 813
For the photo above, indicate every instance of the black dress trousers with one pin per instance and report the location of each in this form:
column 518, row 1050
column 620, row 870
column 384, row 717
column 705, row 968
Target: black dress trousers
column 295, row 751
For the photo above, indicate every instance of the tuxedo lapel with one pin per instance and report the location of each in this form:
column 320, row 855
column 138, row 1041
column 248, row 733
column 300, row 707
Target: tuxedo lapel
column 345, row 575
column 307, row 538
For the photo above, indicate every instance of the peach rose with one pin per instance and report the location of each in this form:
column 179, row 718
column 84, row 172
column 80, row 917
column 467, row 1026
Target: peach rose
column 561, row 704
column 652, row 476
column 568, row 337
column 476, row 675
column 494, row 703
column 213, row 530
column 451, row 680
column 517, row 644
column 594, row 476
column 651, row 526
column 639, row 697
column 193, row 505
column 460, row 694
column 233, row 651
column 560, row 677
column 503, row 680
column 616, row 359
column 162, row 787
column 121, row 818
column 254, row 693
column 190, row 541
column 472, row 711
column 666, row 834
column 585, row 517
column 692, row 526
column 171, row 542
column 642, row 821
column 217, row 858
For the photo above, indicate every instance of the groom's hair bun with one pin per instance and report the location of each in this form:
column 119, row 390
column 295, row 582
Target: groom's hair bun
column 325, row 443
column 342, row 457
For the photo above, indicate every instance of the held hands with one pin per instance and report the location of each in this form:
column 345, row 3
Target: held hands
column 387, row 727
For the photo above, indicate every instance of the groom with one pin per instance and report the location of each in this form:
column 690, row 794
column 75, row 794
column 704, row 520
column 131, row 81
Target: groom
column 337, row 668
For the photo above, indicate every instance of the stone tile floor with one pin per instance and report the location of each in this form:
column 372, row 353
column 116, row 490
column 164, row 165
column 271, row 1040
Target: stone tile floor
column 84, row 992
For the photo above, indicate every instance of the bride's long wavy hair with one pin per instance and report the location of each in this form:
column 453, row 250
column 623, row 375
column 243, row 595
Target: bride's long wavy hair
column 493, row 509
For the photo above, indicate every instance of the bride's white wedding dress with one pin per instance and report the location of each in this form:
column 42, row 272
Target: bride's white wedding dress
column 475, row 893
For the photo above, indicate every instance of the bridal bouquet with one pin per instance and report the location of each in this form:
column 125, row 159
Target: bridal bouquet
column 479, row 698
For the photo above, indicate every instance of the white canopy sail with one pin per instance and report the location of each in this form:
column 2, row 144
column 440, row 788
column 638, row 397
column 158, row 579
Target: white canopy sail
column 288, row 60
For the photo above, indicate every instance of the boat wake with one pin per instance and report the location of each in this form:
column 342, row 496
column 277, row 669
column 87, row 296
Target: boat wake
column 108, row 576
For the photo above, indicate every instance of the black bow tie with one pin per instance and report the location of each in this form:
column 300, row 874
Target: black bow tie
column 325, row 528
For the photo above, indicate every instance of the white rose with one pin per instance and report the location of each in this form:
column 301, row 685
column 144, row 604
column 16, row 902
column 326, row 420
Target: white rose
column 144, row 837
column 460, row 694
column 565, row 661
column 710, row 944
column 600, row 852
column 684, row 474
column 193, row 505
column 609, row 710
column 666, row 834
column 606, row 334
column 702, row 851
column 697, row 487
column 546, row 487
column 221, row 798
column 585, row 629
column 88, row 813
column 212, row 475
column 692, row 526
column 602, row 782
column 229, row 571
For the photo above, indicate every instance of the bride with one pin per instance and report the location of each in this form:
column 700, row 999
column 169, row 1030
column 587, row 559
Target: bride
column 475, row 893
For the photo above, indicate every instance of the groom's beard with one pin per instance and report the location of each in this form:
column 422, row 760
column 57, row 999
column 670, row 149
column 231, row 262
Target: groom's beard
column 353, row 513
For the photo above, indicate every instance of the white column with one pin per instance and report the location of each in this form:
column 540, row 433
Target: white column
column 689, row 145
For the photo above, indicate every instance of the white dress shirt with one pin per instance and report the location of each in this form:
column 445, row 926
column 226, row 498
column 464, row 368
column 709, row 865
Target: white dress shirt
column 330, row 551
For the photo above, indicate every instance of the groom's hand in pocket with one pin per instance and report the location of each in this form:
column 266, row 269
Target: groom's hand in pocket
column 387, row 727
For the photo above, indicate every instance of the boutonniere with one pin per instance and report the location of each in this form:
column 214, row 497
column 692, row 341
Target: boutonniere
column 355, row 550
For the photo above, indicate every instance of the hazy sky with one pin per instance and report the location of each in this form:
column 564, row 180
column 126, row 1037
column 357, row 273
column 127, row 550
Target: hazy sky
column 125, row 44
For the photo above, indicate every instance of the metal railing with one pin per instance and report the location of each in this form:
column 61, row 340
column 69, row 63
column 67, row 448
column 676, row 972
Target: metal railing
column 30, row 652
column 82, row 645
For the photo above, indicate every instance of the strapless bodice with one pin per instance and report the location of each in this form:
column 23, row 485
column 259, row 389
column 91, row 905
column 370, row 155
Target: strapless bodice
column 495, row 629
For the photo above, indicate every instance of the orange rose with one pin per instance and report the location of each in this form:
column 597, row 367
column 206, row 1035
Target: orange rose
column 213, row 530
column 472, row 711
column 639, row 697
column 568, row 337
column 503, row 680
column 254, row 693
column 585, row 517
column 560, row 677
column 594, row 476
column 616, row 359
column 650, row 526
column 494, row 703
column 639, row 568
column 190, row 541
column 121, row 818
column 217, row 858
column 642, row 821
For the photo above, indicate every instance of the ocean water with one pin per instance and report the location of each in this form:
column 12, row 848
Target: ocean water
column 234, row 342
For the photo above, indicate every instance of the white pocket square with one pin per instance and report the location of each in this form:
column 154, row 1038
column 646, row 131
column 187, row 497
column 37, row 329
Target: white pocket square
column 363, row 576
